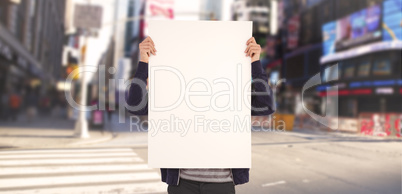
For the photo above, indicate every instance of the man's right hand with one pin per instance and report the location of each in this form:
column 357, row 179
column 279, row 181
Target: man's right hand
column 147, row 47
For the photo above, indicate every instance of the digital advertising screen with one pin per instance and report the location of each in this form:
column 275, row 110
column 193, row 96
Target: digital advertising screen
column 329, row 38
column 364, row 69
column 382, row 67
column 343, row 33
column 360, row 27
column 379, row 22
column 349, row 71
column 392, row 20
column 373, row 20
column 358, row 24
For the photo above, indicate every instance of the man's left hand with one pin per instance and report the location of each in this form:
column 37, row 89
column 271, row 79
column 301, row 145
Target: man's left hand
column 253, row 50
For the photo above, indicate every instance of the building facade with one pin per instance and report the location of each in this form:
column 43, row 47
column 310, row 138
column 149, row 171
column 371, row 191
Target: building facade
column 31, row 42
column 257, row 11
column 354, row 47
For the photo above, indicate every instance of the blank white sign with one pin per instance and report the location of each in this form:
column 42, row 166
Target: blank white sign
column 199, row 95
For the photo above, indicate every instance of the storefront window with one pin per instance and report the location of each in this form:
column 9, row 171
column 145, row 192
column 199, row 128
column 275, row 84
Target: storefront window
column 334, row 73
column 382, row 67
column 274, row 77
column 349, row 71
column 325, row 74
column 364, row 69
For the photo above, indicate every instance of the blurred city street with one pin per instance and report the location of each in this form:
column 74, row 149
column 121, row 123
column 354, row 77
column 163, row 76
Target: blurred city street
column 334, row 67
column 302, row 161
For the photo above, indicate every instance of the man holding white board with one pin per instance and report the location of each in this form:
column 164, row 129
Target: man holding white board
column 197, row 178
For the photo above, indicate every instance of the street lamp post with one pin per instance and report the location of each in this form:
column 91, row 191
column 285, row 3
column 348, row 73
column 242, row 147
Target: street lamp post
column 81, row 126
column 87, row 17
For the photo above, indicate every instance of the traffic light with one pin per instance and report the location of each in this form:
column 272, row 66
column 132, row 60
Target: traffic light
column 70, row 68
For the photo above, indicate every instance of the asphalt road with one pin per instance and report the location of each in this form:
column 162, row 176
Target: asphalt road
column 302, row 162
column 310, row 162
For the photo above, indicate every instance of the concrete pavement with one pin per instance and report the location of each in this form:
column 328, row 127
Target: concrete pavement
column 309, row 162
column 45, row 132
column 77, row 170
column 299, row 162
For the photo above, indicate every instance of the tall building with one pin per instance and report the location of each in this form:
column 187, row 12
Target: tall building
column 134, row 34
column 257, row 11
column 31, row 42
column 356, row 47
column 211, row 9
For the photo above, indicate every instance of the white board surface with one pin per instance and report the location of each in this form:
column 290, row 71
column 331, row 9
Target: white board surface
column 199, row 95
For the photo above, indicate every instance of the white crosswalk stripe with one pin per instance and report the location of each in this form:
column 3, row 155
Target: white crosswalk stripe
column 106, row 170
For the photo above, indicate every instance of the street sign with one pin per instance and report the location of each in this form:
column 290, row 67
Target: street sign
column 88, row 16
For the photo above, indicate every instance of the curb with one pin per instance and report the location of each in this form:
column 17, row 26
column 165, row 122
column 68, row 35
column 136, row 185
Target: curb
column 105, row 138
column 344, row 134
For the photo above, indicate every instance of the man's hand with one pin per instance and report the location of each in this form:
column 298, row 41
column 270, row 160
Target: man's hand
column 253, row 50
column 147, row 47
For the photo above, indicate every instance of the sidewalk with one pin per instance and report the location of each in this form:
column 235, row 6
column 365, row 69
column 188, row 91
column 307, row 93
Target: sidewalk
column 343, row 134
column 46, row 132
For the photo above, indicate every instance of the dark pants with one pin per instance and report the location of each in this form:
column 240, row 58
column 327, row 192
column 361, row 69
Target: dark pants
column 194, row 187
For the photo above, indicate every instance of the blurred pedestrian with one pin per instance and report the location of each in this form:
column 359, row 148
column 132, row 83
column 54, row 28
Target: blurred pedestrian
column 45, row 104
column 4, row 114
column 15, row 104
column 109, row 110
column 62, row 105
column 31, row 103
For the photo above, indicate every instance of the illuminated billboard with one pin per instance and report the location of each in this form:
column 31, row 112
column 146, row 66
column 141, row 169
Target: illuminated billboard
column 392, row 20
column 329, row 36
column 360, row 27
column 356, row 29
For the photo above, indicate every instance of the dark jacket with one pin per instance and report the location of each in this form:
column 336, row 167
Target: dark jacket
column 262, row 105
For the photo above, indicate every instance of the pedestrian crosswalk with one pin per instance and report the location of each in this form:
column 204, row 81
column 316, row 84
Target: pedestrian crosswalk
column 85, row 170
